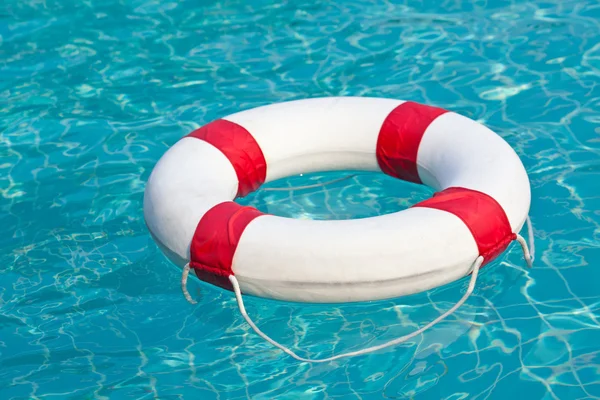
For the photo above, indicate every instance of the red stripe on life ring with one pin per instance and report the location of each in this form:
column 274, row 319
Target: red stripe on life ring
column 240, row 148
column 215, row 241
column 400, row 136
column 481, row 213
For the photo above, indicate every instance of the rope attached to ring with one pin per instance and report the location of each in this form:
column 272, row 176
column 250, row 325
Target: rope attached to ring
column 528, row 253
column 240, row 302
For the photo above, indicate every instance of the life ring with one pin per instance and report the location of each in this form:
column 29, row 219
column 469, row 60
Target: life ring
column 482, row 200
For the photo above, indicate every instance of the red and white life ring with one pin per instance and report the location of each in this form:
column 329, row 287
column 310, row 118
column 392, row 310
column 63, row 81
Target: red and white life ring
column 482, row 202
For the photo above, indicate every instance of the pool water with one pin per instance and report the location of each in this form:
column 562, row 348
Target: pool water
column 93, row 92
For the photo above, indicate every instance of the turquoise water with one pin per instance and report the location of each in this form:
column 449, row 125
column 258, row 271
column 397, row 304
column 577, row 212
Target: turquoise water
column 93, row 92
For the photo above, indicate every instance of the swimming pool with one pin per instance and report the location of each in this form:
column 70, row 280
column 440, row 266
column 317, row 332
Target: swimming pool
column 92, row 94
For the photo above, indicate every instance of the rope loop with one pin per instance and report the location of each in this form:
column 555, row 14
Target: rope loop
column 528, row 253
column 240, row 302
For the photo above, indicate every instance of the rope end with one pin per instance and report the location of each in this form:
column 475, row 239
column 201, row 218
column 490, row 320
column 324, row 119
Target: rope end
column 184, row 278
column 526, row 253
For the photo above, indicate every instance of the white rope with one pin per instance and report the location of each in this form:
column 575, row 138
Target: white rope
column 240, row 302
column 184, row 278
column 526, row 253
column 531, row 238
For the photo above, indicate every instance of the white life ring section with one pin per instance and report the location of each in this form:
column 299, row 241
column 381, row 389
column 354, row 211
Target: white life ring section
column 482, row 200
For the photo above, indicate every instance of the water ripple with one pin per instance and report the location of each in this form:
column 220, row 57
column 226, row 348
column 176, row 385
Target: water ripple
column 92, row 94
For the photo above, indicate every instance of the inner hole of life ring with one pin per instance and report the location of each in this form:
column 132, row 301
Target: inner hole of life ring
column 336, row 195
